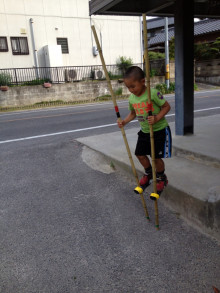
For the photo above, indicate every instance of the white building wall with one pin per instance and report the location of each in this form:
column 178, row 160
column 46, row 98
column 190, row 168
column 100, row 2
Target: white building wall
column 67, row 19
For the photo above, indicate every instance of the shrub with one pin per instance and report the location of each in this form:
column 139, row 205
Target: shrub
column 162, row 88
column 36, row 82
column 172, row 87
column 123, row 63
column 114, row 76
column 195, row 87
column 156, row 55
column 153, row 72
column 5, row 78
column 118, row 92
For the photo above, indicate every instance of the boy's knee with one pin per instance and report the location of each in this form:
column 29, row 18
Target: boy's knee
column 158, row 160
column 140, row 157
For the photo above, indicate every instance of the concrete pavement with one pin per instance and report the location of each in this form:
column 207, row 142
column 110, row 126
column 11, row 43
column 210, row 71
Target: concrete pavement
column 193, row 171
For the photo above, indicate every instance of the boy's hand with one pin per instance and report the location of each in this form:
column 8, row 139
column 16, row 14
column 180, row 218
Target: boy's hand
column 121, row 123
column 152, row 119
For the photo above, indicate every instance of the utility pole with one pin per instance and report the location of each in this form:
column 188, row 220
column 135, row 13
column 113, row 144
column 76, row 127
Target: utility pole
column 167, row 64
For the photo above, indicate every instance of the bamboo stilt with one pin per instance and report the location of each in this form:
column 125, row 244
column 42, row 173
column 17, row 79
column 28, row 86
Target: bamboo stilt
column 118, row 115
column 147, row 69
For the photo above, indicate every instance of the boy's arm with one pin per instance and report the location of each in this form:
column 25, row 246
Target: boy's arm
column 164, row 110
column 131, row 116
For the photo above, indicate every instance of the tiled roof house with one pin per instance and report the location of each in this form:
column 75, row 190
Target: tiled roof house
column 206, row 30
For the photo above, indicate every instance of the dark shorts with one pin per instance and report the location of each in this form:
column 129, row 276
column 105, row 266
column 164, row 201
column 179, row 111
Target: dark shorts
column 162, row 142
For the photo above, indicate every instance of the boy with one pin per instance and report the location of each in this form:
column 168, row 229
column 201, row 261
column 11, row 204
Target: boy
column 134, row 80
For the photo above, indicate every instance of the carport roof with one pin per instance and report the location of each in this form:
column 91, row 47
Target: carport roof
column 202, row 8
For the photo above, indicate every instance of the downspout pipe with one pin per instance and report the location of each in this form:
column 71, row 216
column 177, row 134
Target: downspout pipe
column 34, row 48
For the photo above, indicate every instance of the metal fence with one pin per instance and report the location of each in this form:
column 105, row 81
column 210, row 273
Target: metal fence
column 38, row 75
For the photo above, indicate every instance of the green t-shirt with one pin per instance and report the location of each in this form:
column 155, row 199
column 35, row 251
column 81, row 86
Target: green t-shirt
column 140, row 106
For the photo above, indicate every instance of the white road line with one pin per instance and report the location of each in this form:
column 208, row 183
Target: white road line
column 85, row 129
column 203, row 110
column 210, row 91
column 57, row 133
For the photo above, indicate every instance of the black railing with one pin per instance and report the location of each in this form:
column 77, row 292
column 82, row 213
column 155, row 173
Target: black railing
column 38, row 75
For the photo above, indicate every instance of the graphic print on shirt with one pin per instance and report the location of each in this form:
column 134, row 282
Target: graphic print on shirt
column 160, row 96
column 143, row 108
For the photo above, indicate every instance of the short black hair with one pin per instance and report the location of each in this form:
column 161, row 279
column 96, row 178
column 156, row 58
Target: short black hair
column 134, row 71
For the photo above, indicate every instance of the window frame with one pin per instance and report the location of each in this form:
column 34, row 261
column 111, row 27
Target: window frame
column 18, row 39
column 6, row 43
column 66, row 39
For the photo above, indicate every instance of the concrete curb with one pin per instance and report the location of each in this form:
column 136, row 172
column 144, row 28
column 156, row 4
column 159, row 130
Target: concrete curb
column 193, row 190
column 202, row 214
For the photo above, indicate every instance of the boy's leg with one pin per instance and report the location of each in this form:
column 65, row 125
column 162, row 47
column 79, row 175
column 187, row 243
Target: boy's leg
column 141, row 151
column 163, row 149
column 161, row 176
column 159, row 165
column 145, row 162
column 146, row 179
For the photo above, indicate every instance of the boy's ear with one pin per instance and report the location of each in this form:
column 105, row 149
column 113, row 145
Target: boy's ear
column 143, row 81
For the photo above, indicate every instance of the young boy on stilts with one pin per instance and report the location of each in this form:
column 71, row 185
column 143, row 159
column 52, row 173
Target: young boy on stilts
column 134, row 80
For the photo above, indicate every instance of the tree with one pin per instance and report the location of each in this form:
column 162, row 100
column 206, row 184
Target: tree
column 202, row 51
column 207, row 51
column 172, row 48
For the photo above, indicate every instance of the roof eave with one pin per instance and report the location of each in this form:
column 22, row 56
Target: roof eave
column 112, row 7
column 100, row 7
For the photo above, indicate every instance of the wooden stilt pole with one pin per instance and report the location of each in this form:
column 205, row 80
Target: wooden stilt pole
column 147, row 68
column 118, row 116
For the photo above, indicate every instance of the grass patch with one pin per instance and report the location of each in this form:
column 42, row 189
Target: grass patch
column 112, row 165
column 104, row 98
column 56, row 104
column 49, row 102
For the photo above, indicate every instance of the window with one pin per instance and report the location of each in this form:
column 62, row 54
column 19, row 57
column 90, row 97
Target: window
column 19, row 46
column 3, row 44
column 64, row 45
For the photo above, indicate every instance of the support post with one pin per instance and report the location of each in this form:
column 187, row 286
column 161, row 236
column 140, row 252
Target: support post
column 184, row 64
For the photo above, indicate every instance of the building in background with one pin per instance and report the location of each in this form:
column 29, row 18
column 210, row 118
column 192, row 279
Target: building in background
column 156, row 26
column 205, row 31
column 58, row 33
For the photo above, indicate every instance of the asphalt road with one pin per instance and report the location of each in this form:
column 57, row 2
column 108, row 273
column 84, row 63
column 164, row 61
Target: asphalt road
column 86, row 120
column 67, row 226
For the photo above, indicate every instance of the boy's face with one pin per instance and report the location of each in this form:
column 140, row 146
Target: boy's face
column 136, row 87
